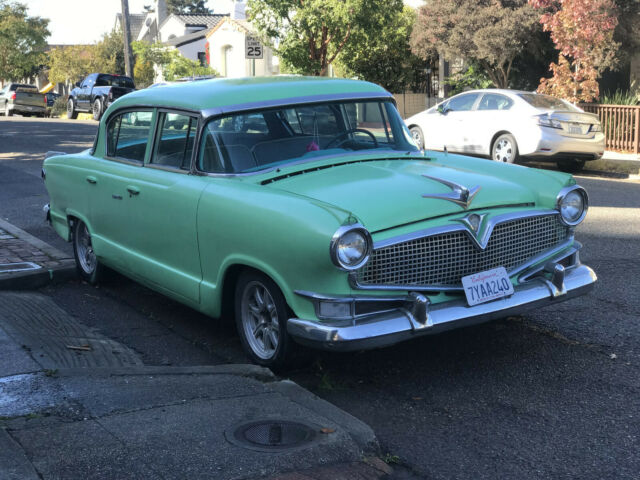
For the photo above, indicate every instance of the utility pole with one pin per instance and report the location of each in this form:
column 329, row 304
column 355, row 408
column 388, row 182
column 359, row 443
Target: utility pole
column 128, row 58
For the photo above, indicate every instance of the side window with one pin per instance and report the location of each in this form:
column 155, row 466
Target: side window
column 462, row 102
column 174, row 145
column 128, row 135
column 493, row 101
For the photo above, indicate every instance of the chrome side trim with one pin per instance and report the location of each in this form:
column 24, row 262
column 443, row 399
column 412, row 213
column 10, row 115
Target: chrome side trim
column 387, row 328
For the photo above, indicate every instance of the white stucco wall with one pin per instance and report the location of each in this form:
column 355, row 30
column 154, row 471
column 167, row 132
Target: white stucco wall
column 228, row 35
column 190, row 50
column 172, row 26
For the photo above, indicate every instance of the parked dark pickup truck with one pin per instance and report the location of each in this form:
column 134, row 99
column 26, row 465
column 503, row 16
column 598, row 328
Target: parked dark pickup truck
column 96, row 92
column 22, row 99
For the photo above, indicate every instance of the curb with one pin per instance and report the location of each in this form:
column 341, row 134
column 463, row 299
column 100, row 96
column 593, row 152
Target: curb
column 36, row 278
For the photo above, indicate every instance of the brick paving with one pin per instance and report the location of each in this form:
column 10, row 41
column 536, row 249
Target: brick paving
column 17, row 246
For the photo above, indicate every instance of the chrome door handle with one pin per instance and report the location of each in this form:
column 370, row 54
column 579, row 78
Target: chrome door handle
column 133, row 190
column 92, row 180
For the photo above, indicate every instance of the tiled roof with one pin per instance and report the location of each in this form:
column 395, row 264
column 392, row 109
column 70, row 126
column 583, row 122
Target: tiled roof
column 136, row 21
column 207, row 21
column 190, row 37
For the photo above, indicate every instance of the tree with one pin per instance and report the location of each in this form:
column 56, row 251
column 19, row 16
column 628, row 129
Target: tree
column 308, row 35
column 582, row 31
column 23, row 41
column 488, row 33
column 171, row 64
column 185, row 7
column 383, row 55
column 109, row 53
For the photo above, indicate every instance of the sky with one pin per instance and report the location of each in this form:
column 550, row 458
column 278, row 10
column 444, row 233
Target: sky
column 84, row 21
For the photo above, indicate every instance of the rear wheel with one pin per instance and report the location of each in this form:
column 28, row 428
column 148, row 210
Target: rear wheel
column 87, row 264
column 97, row 109
column 261, row 318
column 572, row 165
column 504, row 149
column 418, row 138
column 72, row 114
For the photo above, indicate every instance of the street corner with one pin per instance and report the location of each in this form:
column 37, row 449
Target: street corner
column 28, row 262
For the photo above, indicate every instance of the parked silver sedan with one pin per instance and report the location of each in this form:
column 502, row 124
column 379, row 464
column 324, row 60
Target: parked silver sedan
column 507, row 124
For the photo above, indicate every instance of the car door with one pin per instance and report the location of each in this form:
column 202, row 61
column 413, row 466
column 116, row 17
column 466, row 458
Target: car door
column 162, row 204
column 128, row 136
column 457, row 117
column 493, row 114
column 84, row 95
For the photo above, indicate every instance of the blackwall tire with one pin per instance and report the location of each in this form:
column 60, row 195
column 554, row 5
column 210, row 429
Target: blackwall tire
column 72, row 114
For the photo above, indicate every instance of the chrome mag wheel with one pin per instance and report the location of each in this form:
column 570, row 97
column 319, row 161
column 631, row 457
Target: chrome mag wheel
column 259, row 316
column 85, row 255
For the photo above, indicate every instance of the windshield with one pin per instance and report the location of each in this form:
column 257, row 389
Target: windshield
column 252, row 141
column 547, row 102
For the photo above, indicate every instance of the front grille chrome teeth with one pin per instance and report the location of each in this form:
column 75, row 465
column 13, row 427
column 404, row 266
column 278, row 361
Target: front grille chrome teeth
column 443, row 259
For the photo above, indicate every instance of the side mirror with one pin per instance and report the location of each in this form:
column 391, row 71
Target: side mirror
column 442, row 109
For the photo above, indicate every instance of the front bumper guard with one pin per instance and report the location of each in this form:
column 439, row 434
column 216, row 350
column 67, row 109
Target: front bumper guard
column 420, row 318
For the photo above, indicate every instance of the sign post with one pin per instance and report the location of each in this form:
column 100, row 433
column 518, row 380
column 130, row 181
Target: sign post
column 253, row 50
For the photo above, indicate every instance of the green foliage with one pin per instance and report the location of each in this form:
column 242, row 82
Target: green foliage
column 309, row 35
column 472, row 78
column 383, row 55
column 489, row 33
column 74, row 62
column 168, row 61
column 23, row 40
column 59, row 106
column 181, row 7
column 621, row 97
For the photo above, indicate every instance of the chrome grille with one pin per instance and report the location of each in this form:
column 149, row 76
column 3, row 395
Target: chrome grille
column 443, row 259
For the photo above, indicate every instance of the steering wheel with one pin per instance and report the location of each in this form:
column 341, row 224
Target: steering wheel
column 347, row 132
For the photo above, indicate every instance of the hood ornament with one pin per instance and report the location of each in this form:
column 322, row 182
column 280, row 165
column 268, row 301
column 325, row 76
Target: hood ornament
column 460, row 195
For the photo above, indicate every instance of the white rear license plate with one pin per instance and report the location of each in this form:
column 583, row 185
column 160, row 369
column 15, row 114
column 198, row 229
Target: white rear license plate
column 486, row 286
column 575, row 130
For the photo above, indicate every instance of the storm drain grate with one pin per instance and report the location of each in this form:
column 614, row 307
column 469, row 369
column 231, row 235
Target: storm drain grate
column 272, row 435
column 18, row 267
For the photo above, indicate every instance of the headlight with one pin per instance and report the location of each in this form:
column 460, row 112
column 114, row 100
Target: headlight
column 546, row 121
column 350, row 247
column 572, row 204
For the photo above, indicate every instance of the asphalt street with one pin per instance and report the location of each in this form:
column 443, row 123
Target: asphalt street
column 553, row 394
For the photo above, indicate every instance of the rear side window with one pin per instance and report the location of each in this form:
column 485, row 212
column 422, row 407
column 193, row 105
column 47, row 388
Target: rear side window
column 128, row 136
column 175, row 143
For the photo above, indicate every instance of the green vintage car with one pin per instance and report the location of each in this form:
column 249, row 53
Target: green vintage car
column 302, row 208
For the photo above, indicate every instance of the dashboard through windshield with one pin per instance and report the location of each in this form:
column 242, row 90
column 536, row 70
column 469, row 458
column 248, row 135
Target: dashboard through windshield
column 252, row 141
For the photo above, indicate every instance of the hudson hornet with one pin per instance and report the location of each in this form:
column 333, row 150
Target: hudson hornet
column 302, row 208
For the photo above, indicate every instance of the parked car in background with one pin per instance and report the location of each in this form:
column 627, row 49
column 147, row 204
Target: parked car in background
column 51, row 98
column 505, row 125
column 96, row 92
column 301, row 208
column 23, row 99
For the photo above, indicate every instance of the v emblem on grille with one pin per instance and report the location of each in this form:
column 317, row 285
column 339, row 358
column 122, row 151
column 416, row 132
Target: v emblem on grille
column 459, row 195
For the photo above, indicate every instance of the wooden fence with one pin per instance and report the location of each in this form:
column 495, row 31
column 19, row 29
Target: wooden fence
column 620, row 124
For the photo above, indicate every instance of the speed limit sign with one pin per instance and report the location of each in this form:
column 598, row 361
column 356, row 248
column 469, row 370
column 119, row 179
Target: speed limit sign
column 252, row 47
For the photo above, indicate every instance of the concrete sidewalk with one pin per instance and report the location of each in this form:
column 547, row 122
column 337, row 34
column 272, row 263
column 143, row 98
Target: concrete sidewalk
column 28, row 262
column 75, row 404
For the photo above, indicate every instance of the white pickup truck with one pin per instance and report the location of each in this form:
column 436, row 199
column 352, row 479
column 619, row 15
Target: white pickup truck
column 22, row 99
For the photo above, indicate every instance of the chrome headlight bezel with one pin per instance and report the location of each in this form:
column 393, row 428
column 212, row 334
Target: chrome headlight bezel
column 335, row 244
column 562, row 195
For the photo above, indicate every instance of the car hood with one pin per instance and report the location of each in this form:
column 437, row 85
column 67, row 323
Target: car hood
column 383, row 193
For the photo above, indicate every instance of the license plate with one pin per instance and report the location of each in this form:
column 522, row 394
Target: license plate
column 486, row 286
column 575, row 130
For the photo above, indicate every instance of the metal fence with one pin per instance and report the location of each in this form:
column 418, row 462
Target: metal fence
column 620, row 123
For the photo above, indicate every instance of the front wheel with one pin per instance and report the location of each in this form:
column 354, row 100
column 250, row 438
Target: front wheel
column 72, row 114
column 504, row 149
column 571, row 165
column 97, row 109
column 261, row 318
column 418, row 138
column 87, row 264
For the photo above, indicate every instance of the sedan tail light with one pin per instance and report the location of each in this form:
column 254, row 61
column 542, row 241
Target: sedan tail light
column 13, row 96
column 547, row 121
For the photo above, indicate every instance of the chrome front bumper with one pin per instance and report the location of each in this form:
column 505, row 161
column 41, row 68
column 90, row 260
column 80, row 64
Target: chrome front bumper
column 420, row 318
